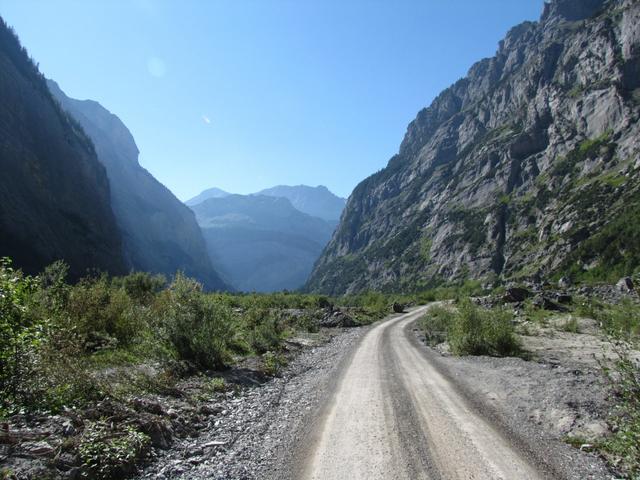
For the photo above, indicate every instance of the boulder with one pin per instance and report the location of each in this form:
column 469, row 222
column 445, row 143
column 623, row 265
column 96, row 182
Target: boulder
column 545, row 303
column 564, row 282
column 625, row 285
column 563, row 298
column 516, row 294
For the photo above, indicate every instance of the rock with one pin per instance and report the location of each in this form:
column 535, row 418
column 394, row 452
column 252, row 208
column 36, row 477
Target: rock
column 160, row 434
column 625, row 285
column 67, row 461
column 210, row 409
column 147, row 405
column 564, row 282
column 38, row 449
column 516, row 294
column 545, row 303
column 397, row 307
column 337, row 319
column 563, row 298
column 462, row 149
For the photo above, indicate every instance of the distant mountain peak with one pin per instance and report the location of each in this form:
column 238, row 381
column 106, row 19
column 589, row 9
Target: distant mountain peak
column 213, row 192
column 316, row 201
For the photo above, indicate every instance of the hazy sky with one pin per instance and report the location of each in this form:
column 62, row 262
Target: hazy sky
column 244, row 95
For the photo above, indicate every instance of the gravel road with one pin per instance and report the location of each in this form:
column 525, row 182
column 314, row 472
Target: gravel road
column 395, row 415
column 375, row 403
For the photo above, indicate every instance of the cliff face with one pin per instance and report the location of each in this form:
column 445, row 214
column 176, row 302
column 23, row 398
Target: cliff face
column 261, row 243
column 160, row 233
column 527, row 167
column 54, row 194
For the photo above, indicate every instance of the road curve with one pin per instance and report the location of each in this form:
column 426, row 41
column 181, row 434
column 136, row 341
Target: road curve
column 392, row 415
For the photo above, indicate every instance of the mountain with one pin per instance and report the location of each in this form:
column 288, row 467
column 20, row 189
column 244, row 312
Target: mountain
column 205, row 195
column 261, row 243
column 160, row 234
column 528, row 168
column 54, row 193
column 315, row 201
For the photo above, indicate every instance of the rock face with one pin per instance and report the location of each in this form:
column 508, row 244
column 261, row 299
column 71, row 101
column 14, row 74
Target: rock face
column 261, row 243
column 54, row 194
column 315, row 201
column 527, row 167
column 160, row 233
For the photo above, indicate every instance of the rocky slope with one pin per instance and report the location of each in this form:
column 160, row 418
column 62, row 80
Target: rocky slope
column 526, row 168
column 261, row 243
column 54, row 194
column 160, row 234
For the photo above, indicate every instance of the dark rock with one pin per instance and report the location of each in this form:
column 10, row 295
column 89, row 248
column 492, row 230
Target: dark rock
column 516, row 294
column 160, row 434
column 625, row 285
column 397, row 307
column 210, row 409
column 545, row 303
column 147, row 405
column 563, row 298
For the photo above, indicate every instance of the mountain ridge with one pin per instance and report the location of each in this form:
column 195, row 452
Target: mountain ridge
column 54, row 193
column 505, row 175
column 160, row 234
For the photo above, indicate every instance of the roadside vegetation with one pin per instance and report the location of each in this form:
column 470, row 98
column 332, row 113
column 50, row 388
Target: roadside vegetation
column 472, row 330
column 57, row 338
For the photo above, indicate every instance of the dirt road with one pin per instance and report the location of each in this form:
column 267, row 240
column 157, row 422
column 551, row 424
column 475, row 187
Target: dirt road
column 393, row 415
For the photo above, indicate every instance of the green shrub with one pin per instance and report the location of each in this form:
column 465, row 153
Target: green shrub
column 101, row 311
column 263, row 330
column 623, row 447
column 436, row 323
column 20, row 335
column 107, row 452
column 141, row 286
column 477, row 331
column 197, row 326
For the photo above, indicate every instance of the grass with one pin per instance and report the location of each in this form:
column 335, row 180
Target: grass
column 472, row 330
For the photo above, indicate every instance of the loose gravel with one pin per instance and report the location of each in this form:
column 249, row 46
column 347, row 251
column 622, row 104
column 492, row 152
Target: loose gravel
column 255, row 429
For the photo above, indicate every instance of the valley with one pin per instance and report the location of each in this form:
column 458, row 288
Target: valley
column 469, row 311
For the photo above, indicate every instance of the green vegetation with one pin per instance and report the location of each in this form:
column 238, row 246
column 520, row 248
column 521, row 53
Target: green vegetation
column 56, row 338
column 587, row 149
column 623, row 447
column 107, row 452
column 615, row 248
column 472, row 330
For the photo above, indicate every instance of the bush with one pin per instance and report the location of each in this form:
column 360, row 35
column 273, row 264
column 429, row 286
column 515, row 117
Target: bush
column 20, row 335
column 101, row 312
column 141, row 286
column 107, row 452
column 263, row 330
column 196, row 326
column 472, row 330
column 623, row 447
column 436, row 324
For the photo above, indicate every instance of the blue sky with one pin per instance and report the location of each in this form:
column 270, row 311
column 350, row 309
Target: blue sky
column 243, row 95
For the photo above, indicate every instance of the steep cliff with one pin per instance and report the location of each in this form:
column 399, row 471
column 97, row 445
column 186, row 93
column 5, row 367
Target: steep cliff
column 54, row 194
column 160, row 233
column 526, row 168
